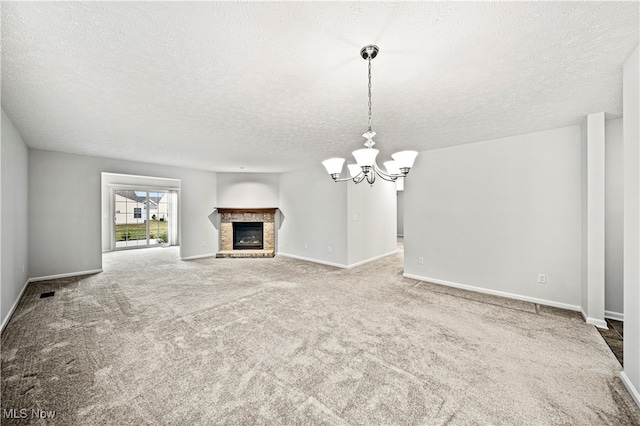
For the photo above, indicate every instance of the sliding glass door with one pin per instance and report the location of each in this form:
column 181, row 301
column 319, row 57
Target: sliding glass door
column 142, row 218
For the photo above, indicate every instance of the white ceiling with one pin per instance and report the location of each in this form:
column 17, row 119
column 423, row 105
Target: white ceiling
column 270, row 87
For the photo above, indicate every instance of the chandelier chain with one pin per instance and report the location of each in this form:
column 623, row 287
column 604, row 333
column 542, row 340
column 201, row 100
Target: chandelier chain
column 369, row 60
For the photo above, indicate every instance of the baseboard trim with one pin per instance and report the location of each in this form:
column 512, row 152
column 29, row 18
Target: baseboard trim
column 70, row 274
column 200, row 256
column 597, row 322
column 373, row 259
column 594, row 321
column 308, row 259
column 496, row 292
column 614, row 315
column 337, row 265
column 632, row 390
column 7, row 318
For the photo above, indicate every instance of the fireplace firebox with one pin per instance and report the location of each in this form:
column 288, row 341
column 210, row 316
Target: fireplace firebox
column 248, row 235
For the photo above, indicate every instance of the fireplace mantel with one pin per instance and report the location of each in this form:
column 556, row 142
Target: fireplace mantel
column 222, row 210
column 229, row 215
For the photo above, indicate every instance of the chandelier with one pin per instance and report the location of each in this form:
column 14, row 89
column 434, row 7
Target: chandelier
column 366, row 167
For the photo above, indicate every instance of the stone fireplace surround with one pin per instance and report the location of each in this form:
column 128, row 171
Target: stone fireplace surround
column 230, row 215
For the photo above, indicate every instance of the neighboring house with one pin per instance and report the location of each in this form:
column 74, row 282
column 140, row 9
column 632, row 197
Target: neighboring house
column 131, row 206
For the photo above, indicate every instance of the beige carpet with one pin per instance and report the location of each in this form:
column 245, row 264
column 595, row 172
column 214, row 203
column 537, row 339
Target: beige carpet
column 154, row 340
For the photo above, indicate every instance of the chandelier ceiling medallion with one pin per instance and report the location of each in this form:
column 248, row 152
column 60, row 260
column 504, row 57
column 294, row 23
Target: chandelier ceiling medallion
column 366, row 167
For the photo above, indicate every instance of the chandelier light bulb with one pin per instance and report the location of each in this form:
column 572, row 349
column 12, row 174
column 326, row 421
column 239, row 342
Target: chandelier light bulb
column 333, row 165
column 365, row 156
column 405, row 159
column 354, row 170
column 392, row 167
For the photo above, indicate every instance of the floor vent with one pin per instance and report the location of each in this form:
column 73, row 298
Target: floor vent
column 47, row 294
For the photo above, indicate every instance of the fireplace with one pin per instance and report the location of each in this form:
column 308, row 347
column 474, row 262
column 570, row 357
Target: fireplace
column 248, row 236
column 247, row 232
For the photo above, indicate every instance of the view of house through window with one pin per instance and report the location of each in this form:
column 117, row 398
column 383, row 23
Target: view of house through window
column 141, row 218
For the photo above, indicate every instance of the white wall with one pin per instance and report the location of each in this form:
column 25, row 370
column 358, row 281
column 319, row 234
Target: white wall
column 593, row 222
column 14, row 229
column 248, row 190
column 65, row 210
column 319, row 223
column 315, row 212
column 372, row 218
column 400, row 212
column 198, row 197
column 631, row 131
column 614, row 174
column 492, row 215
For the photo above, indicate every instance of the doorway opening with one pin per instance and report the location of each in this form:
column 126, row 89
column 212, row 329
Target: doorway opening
column 143, row 218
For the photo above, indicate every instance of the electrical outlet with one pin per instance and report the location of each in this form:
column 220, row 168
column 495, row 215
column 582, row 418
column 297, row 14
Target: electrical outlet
column 305, row 245
column 204, row 244
column 329, row 249
column 542, row 278
column 421, row 260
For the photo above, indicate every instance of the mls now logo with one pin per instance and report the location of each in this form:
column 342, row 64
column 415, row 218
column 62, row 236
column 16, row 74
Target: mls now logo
column 23, row 413
column 14, row 413
column 42, row 414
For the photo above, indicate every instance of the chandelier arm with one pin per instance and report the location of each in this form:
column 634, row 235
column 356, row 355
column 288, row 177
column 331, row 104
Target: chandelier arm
column 336, row 179
column 393, row 179
column 386, row 176
column 359, row 178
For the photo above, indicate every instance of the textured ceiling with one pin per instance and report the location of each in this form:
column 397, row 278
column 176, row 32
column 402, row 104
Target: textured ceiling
column 269, row 87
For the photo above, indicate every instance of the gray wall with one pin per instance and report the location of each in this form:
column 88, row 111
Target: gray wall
column 315, row 212
column 65, row 210
column 14, row 229
column 373, row 232
column 592, row 141
column 631, row 134
column 400, row 201
column 614, row 173
column 248, row 190
column 319, row 218
column 492, row 215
